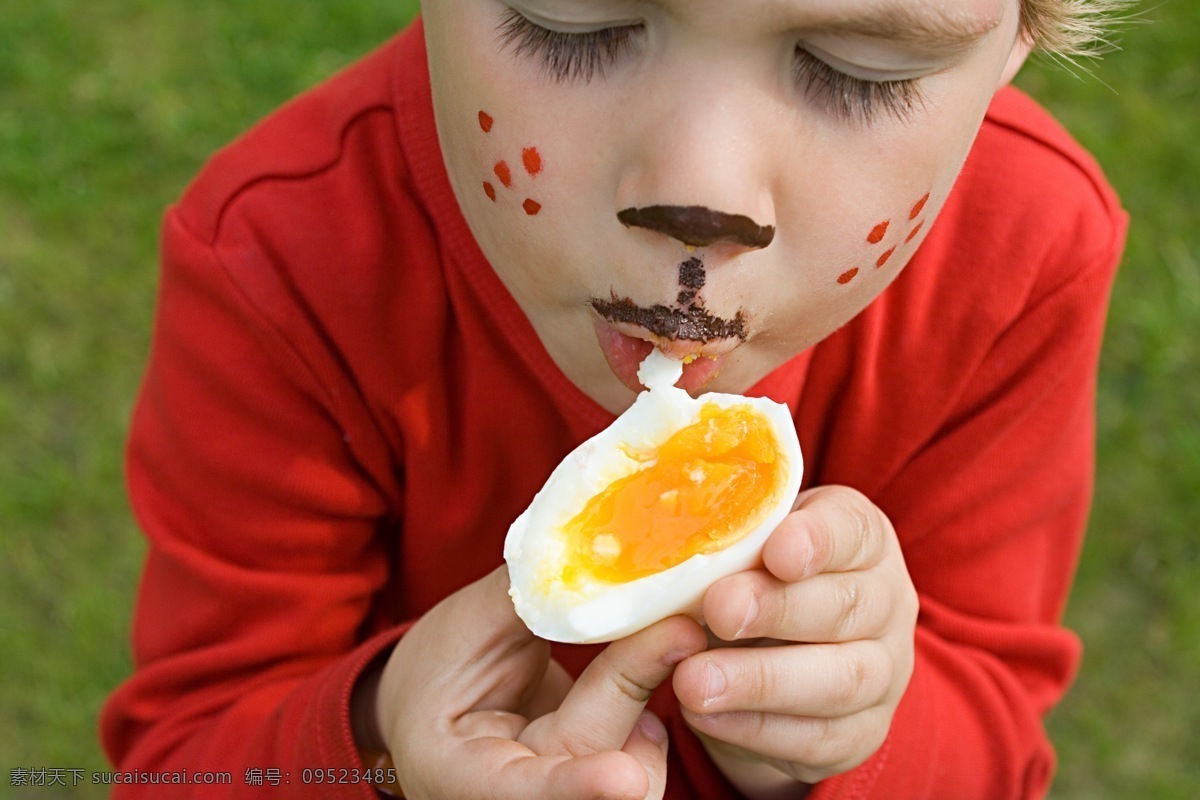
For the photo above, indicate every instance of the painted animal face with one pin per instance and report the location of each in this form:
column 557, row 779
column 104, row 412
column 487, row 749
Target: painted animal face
column 730, row 182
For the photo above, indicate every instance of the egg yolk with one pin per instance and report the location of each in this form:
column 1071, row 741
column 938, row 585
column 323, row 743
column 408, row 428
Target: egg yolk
column 701, row 494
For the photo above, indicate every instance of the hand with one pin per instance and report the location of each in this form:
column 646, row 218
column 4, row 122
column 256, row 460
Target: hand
column 779, row 712
column 456, row 698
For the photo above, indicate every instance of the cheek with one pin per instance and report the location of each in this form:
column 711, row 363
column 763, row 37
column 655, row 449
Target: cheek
column 886, row 193
column 519, row 191
column 497, row 162
column 509, row 174
column 889, row 241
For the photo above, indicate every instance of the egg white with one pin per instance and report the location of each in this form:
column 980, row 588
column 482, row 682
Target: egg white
column 599, row 611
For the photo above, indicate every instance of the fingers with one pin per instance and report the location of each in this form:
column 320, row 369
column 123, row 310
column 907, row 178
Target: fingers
column 604, row 712
column 833, row 573
column 607, row 700
column 833, row 610
column 834, row 607
column 808, row 749
column 594, row 775
column 833, row 529
column 813, row 681
column 458, row 687
column 482, row 760
column 599, row 775
column 638, row 771
column 495, row 767
column 549, row 693
column 647, row 743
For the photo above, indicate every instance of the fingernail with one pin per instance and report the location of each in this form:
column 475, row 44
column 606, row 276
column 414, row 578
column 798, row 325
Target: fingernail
column 652, row 727
column 673, row 658
column 807, row 555
column 750, row 616
column 714, row 682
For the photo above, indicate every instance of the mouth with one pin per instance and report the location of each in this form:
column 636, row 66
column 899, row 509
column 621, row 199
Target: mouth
column 686, row 331
column 690, row 321
column 625, row 345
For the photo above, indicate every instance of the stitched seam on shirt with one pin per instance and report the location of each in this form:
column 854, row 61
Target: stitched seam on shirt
column 282, row 351
column 868, row 777
column 953, row 408
column 286, row 353
column 251, row 182
column 1091, row 172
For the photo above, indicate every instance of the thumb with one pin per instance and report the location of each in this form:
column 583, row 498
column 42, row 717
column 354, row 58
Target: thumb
column 648, row 744
column 603, row 707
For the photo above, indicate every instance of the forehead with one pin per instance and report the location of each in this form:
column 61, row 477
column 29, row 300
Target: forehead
column 800, row 13
column 944, row 27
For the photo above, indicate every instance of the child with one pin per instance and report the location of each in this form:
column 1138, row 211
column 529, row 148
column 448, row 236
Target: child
column 388, row 311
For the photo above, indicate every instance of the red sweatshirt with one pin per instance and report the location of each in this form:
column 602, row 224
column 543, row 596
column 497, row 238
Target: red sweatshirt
column 324, row 444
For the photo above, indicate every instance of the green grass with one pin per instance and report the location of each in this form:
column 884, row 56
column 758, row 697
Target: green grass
column 1128, row 729
column 107, row 109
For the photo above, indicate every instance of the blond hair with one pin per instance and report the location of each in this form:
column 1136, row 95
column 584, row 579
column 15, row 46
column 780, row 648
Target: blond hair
column 1070, row 27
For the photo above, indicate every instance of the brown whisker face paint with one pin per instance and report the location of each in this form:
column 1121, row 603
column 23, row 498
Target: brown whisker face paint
column 689, row 320
column 691, row 274
column 698, row 226
column 696, row 325
column 691, row 281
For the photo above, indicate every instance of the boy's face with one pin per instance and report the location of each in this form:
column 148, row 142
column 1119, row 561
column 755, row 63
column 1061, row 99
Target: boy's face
column 731, row 180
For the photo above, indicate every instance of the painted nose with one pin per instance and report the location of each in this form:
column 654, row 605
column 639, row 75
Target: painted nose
column 699, row 226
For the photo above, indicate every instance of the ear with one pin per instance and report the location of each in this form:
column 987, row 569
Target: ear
column 1020, row 51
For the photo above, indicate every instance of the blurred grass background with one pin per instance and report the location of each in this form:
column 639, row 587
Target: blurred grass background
column 108, row 108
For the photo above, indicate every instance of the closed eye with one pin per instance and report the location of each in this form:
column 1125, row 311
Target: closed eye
column 567, row 56
column 854, row 99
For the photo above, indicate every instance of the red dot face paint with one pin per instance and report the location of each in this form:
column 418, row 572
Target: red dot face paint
column 503, row 173
column 532, row 160
column 880, row 232
column 916, row 209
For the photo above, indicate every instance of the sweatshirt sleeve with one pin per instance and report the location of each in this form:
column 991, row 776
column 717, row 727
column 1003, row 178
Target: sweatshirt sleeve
column 991, row 513
column 264, row 553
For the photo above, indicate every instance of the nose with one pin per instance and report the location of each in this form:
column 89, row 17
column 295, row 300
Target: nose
column 699, row 226
column 698, row 156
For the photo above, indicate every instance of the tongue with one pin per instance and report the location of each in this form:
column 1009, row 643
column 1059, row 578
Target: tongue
column 625, row 354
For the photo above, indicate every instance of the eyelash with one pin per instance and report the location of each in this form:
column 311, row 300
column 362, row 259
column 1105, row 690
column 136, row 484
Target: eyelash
column 583, row 56
column 567, row 56
column 853, row 98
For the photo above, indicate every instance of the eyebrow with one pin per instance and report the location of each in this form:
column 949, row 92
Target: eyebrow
column 923, row 25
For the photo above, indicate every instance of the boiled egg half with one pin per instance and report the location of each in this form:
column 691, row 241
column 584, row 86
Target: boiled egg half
column 637, row 522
